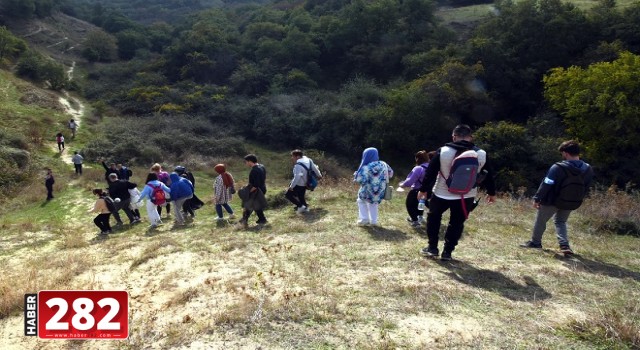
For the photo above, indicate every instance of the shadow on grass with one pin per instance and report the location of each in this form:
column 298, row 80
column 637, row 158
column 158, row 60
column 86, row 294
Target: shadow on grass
column 579, row 263
column 385, row 234
column 496, row 282
column 314, row 214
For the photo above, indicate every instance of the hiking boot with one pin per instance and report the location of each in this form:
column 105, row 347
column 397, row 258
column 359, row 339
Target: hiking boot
column 446, row 256
column 566, row 250
column 430, row 252
column 530, row 244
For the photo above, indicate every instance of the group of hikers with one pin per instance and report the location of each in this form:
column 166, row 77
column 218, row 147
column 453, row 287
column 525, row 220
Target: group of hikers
column 177, row 189
column 446, row 179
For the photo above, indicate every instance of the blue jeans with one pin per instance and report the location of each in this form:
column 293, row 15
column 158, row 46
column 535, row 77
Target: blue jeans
column 226, row 206
column 545, row 212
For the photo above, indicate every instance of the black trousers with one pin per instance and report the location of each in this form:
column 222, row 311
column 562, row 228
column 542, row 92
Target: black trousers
column 247, row 213
column 412, row 204
column 168, row 206
column 124, row 205
column 49, row 190
column 102, row 221
column 78, row 168
column 437, row 206
column 297, row 196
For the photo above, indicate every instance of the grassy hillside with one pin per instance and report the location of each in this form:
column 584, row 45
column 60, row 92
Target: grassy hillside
column 318, row 281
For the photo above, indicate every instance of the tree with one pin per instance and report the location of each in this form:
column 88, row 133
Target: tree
column 100, row 47
column 601, row 105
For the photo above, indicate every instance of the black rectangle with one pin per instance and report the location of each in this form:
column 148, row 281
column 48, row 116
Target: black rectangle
column 31, row 315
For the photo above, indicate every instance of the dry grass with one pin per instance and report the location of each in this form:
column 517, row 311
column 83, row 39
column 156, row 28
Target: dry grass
column 319, row 281
column 613, row 211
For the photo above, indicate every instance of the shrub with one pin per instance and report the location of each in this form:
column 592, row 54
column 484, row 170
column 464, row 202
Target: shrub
column 613, row 211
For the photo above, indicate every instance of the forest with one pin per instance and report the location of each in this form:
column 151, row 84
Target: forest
column 339, row 76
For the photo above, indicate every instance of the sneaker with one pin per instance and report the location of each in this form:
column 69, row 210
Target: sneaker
column 103, row 233
column 530, row 244
column 231, row 216
column 431, row 252
column 420, row 219
column 362, row 222
column 409, row 219
column 243, row 223
column 262, row 222
column 301, row 210
column 219, row 219
column 414, row 223
column 566, row 250
column 118, row 224
column 446, row 256
column 136, row 221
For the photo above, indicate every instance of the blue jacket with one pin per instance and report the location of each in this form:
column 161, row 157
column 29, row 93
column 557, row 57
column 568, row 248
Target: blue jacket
column 180, row 187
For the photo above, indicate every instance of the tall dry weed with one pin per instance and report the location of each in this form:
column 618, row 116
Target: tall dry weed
column 614, row 211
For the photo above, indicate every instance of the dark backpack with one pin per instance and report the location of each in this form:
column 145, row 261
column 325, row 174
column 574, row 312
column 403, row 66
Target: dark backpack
column 464, row 172
column 312, row 177
column 571, row 191
column 129, row 172
column 158, row 197
column 111, row 205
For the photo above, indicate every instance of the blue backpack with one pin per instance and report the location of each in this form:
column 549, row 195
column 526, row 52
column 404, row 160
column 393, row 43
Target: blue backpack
column 312, row 177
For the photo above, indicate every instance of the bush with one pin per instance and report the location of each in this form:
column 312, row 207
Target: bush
column 613, row 211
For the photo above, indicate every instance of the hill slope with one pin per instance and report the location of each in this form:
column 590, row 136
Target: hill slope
column 318, row 281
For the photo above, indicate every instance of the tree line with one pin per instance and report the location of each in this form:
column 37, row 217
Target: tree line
column 342, row 75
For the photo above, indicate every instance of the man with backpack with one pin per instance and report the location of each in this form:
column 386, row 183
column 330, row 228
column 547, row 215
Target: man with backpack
column 451, row 180
column 305, row 177
column 560, row 192
column 256, row 189
column 108, row 170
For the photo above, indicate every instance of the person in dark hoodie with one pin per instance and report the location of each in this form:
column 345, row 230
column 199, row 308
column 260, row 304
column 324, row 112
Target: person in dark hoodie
column 435, row 183
column 181, row 191
column 257, row 182
column 119, row 191
column 555, row 196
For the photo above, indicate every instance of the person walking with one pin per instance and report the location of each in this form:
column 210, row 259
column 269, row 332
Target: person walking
column 60, row 141
column 297, row 190
column 77, row 161
column 257, row 183
column 445, row 176
column 414, row 181
column 73, row 126
column 373, row 176
column 119, row 191
column 181, row 191
column 100, row 207
column 124, row 173
column 560, row 192
column 163, row 177
column 49, row 180
column 108, row 170
column 151, row 192
column 223, row 189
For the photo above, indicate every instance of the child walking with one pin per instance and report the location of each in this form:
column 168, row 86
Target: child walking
column 100, row 207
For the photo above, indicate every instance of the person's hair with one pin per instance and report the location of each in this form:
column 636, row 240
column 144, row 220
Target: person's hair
column 432, row 154
column 151, row 177
column 98, row 191
column 113, row 176
column 572, row 147
column 112, row 164
column 156, row 167
column 251, row 158
column 422, row 157
column 462, row 130
column 297, row 153
column 76, row 152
